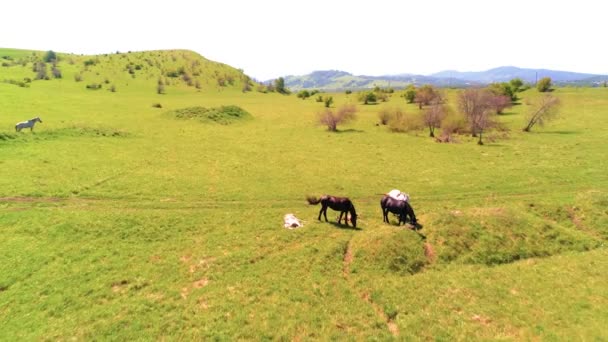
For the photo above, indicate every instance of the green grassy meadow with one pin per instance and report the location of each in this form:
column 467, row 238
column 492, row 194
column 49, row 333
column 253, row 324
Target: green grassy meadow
column 120, row 221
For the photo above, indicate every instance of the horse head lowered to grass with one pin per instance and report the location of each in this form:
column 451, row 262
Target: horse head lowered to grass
column 402, row 208
column 341, row 204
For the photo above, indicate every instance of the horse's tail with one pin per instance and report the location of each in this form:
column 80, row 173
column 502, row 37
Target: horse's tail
column 313, row 200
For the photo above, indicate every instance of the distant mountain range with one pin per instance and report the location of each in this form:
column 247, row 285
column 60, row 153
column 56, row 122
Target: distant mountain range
column 340, row 80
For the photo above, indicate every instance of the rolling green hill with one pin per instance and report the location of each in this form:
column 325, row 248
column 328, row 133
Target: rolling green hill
column 175, row 69
column 333, row 80
column 130, row 214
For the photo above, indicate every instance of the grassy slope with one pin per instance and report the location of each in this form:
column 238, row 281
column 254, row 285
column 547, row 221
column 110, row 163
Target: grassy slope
column 121, row 222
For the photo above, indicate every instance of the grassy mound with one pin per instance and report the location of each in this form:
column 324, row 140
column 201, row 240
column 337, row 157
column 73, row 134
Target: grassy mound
column 8, row 136
column 223, row 115
column 494, row 236
column 398, row 251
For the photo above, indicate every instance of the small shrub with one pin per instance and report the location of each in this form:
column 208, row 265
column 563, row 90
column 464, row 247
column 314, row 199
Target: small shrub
column 160, row 87
column 78, row 77
column 403, row 122
column 382, row 97
column 56, row 73
column 367, row 97
column 173, row 74
column 40, row 69
column 188, row 79
column 93, row 86
column 262, row 88
column 303, row 94
column 384, row 115
column 21, row 84
column 331, row 119
column 157, row 105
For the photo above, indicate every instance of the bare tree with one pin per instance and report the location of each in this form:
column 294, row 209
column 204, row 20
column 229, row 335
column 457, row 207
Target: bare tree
column 545, row 110
column 342, row 115
column 500, row 103
column 433, row 115
column 476, row 105
column 160, row 86
column 425, row 95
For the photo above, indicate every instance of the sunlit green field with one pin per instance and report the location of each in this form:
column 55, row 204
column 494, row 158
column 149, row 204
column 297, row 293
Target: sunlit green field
column 119, row 221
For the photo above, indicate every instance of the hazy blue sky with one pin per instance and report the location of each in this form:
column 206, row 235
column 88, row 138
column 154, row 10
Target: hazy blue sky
column 271, row 38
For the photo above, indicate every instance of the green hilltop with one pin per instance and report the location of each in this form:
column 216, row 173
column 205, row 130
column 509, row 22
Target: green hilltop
column 175, row 69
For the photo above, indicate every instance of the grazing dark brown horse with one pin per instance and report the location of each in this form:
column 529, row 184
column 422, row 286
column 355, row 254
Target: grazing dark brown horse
column 341, row 204
column 401, row 208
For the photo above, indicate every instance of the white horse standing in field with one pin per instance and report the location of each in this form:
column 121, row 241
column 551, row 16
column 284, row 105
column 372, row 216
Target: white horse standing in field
column 27, row 124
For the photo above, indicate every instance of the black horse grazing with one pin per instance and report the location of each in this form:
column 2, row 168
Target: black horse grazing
column 341, row 204
column 401, row 208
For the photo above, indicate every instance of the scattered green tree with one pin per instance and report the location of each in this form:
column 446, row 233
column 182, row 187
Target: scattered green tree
column 303, row 94
column 410, row 93
column 328, row 100
column 367, row 97
column 50, row 57
column 503, row 89
column 545, row 110
column 544, row 84
column 516, row 85
column 279, row 85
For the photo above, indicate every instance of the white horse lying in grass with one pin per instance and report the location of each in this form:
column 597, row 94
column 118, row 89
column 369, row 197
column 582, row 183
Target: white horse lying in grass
column 27, row 124
column 291, row 222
